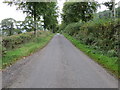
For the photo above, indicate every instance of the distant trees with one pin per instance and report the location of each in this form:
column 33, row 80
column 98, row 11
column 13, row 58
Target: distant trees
column 38, row 13
column 31, row 8
column 111, row 7
column 10, row 26
column 19, row 26
column 107, row 14
column 28, row 24
column 118, row 12
column 7, row 26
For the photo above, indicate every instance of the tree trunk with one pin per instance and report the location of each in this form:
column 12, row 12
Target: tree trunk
column 44, row 22
column 113, row 9
column 34, row 15
column 53, row 28
column 10, row 30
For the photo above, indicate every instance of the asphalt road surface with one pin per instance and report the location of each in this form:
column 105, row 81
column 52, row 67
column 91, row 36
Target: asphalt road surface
column 61, row 65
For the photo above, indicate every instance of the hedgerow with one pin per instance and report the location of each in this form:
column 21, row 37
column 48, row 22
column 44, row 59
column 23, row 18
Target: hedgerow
column 11, row 42
column 100, row 34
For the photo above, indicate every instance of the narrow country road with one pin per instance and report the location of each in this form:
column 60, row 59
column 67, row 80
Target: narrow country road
column 60, row 65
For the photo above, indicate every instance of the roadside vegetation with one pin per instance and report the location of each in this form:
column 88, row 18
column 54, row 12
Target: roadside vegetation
column 21, row 38
column 18, row 46
column 96, row 34
column 100, row 34
column 110, row 63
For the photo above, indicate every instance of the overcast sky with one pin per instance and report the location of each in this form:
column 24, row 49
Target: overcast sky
column 11, row 12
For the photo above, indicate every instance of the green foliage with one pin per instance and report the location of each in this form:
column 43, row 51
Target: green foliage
column 107, row 62
column 73, row 28
column 50, row 16
column 62, row 27
column 27, row 24
column 30, row 8
column 76, row 11
column 7, row 26
column 109, row 5
column 118, row 12
column 105, row 14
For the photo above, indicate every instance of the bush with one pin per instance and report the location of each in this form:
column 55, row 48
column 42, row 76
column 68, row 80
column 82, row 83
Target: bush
column 102, row 33
column 62, row 27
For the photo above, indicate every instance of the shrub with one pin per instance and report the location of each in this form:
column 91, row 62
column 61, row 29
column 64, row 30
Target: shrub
column 73, row 28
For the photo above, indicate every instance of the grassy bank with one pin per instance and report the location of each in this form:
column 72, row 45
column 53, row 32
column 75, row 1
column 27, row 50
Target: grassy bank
column 110, row 63
column 11, row 56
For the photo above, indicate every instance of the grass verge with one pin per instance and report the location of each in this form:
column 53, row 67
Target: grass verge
column 110, row 63
column 24, row 50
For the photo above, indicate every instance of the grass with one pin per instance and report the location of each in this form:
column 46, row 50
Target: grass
column 110, row 63
column 34, row 45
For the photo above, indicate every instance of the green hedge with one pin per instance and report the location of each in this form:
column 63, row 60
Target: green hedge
column 101, row 34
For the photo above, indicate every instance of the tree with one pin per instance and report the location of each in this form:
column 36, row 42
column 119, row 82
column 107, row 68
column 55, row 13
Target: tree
column 76, row 11
column 19, row 27
column 50, row 16
column 7, row 26
column 107, row 13
column 111, row 7
column 28, row 24
column 118, row 12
